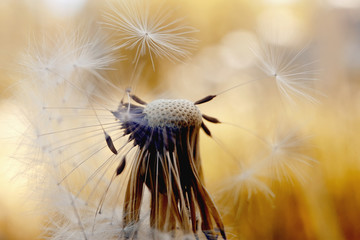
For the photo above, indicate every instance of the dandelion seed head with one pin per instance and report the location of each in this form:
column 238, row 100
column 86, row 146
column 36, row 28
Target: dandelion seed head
column 166, row 135
column 165, row 118
column 172, row 113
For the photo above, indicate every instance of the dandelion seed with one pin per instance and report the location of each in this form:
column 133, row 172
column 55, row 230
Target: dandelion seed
column 293, row 77
column 155, row 35
column 77, row 57
column 245, row 194
column 252, row 183
column 287, row 157
column 247, row 184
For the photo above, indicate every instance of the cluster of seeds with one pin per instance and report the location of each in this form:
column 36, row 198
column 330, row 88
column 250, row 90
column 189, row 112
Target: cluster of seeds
column 175, row 113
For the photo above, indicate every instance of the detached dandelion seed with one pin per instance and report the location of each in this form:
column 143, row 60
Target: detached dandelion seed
column 251, row 183
column 78, row 56
column 293, row 77
column 286, row 160
column 246, row 188
column 153, row 34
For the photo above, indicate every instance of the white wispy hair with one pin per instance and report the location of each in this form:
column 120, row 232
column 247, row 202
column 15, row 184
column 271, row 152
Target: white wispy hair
column 293, row 74
column 248, row 184
column 245, row 193
column 152, row 34
column 59, row 69
column 288, row 156
column 70, row 217
column 69, row 190
column 77, row 56
column 58, row 73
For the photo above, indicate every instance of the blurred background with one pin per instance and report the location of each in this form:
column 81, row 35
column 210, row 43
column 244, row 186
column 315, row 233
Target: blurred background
column 324, row 206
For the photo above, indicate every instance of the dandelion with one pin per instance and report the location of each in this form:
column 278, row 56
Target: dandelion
column 161, row 153
column 164, row 135
column 155, row 35
column 129, row 168
column 147, row 148
column 168, row 163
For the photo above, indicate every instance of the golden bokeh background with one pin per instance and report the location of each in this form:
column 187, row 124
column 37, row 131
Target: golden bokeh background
column 325, row 206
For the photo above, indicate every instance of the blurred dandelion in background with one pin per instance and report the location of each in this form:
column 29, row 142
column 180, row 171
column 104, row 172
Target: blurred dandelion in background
column 158, row 120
